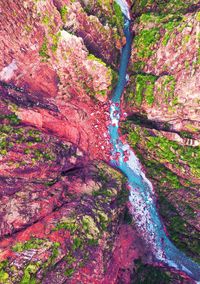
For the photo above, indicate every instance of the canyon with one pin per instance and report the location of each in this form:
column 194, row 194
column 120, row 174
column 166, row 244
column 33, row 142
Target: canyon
column 64, row 210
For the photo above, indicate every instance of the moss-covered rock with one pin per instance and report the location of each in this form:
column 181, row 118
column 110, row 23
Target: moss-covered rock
column 78, row 235
column 173, row 169
column 169, row 6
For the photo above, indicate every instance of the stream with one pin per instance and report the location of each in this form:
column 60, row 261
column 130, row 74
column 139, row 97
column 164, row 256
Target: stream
column 142, row 197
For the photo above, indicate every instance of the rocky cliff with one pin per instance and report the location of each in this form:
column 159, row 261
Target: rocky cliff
column 64, row 211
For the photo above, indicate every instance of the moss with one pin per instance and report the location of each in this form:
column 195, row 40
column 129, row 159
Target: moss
column 55, row 39
column 4, row 276
column 198, row 16
column 70, row 259
column 68, row 224
column 63, row 13
column 43, row 52
column 119, row 18
column 138, row 66
column 69, row 272
column 157, row 153
column 103, row 219
column 168, row 88
column 54, row 252
column 90, row 227
column 43, row 155
column 143, row 90
column 46, row 19
column 77, row 243
column 33, row 243
column 145, row 40
column 12, row 118
column 29, row 272
column 94, row 58
column 185, row 39
column 168, row 22
column 164, row 7
column 133, row 138
column 166, row 151
column 166, row 38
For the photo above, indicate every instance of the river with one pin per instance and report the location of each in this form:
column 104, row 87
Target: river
column 142, row 196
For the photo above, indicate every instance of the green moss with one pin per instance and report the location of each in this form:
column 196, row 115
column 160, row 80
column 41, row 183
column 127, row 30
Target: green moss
column 63, row 13
column 55, row 39
column 54, row 252
column 157, row 153
column 43, row 52
column 51, row 182
column 143, row 89
column 33, row 243
column 46, row 20
column 145, row 40
column 166, row 38
column 94, row 58
column 70, row 259
column 77, row 243
column 138, row 66
column 187, row 65
column 69, row 272
column 43, row 155
column 133, row 138
column 168, row 87
column 4, row 276
column 198, row 16
column 90, row 228
column 164, row 150
column 29, row 272
column 69, row 224
column 12, row 118
column 119, row 18
column 163, row 7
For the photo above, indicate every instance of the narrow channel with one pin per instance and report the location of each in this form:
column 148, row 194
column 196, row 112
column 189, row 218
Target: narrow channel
column 142, row 196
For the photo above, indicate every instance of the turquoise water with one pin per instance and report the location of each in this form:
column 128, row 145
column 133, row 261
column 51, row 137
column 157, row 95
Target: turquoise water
column 142, row 197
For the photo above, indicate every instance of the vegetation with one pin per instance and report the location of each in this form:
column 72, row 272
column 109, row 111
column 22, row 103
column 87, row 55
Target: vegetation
column 33, row 243
column 142, row 89
column 147, row 274
column 164, row 7
column 156, row 153
column 3, row 273
column 144, row 42
column 43, row 52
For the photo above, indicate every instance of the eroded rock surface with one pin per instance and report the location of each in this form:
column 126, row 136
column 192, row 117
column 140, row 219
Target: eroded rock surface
column 63, row 210
column 162, row 104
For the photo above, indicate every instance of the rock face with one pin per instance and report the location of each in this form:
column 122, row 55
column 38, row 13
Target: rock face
column 45, row 57
column 63, row 209
column 162, row 104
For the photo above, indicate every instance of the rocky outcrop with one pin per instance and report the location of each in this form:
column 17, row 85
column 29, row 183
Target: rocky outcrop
column 63, row 211
column 46, row 59
column 164, row 82
column 161, row 101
